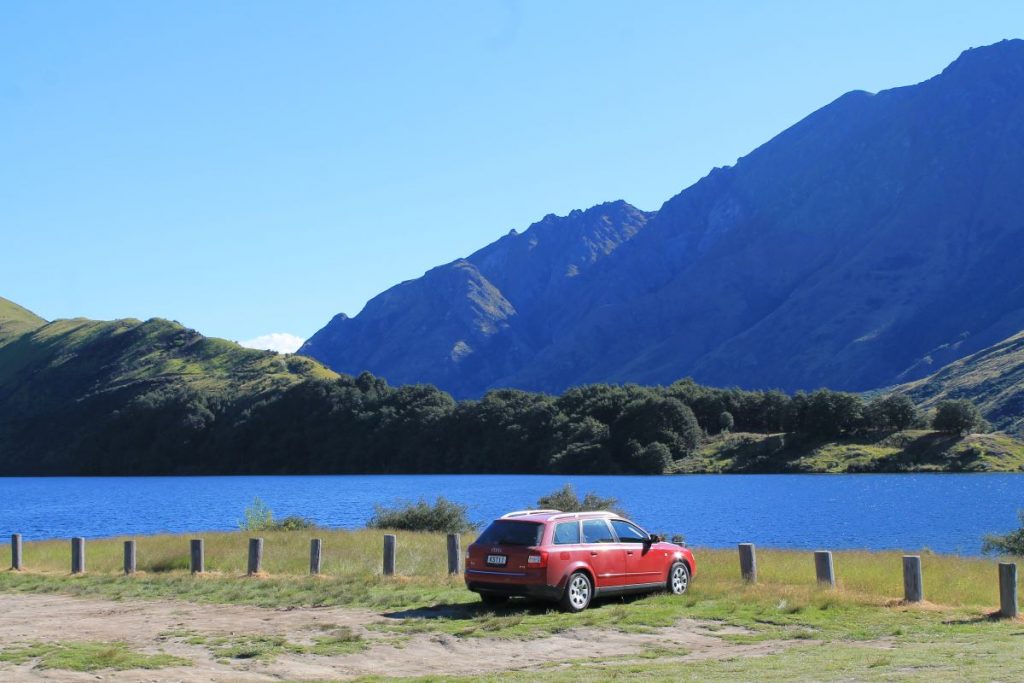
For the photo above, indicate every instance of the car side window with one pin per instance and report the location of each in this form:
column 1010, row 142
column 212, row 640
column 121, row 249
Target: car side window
column 567, row 532
column 597, row 531
column 628, row 533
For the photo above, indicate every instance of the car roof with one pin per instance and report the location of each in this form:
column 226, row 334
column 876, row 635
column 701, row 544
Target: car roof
column 548, row 515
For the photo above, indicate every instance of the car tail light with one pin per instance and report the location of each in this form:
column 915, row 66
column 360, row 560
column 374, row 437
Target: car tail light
column 538, row 559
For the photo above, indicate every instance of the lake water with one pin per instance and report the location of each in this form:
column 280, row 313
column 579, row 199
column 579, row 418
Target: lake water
column 944, row 512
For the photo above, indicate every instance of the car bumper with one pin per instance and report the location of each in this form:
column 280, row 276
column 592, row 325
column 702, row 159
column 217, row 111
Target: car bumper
column 494, row 584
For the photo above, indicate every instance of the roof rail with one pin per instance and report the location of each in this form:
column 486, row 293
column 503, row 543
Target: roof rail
column 523, row 513
column 577, row 514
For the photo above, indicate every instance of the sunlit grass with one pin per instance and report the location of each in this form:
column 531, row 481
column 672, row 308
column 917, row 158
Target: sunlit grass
column 285, row 553
column 352, row 561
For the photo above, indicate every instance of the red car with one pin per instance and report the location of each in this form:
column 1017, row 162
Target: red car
column 572, row 558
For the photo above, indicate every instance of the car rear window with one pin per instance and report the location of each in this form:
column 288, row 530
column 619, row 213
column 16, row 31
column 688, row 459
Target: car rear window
column 508, row 532
column 597, row 531
column 567, row 532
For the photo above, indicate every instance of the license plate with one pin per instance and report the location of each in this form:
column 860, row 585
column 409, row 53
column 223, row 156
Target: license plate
column 500, row 560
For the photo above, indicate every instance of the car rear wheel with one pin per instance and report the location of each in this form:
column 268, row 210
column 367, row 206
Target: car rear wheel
column 578, row 592
column 678, row 579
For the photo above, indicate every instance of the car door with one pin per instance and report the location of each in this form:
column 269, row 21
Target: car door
column 606, row 555
column 644, row 563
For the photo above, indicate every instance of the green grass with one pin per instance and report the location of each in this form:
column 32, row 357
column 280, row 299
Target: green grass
column 906, row 451
column 992, row 379
column 86, row 656
column 870, row 634
column 331, row 640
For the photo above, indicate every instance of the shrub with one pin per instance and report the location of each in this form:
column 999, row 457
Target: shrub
column 293, row 523
column 566, row 500
column 256, row 517
column 259, row 517
column 444, row 515
column 1009, row 544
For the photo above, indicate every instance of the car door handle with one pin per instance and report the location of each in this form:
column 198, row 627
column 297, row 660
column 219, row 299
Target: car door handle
column 593, row 553
column 629, row 552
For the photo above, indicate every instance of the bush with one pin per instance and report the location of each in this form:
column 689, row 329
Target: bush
column 444, row 515
column 293, row 523
column 1010, row 544
column 256, row 517
column 957, row 417
column 259, row 517
column 566, row 500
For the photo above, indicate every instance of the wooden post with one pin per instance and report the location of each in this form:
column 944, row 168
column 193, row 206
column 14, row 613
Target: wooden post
column 129, row 557
column 198, row 560
column 389, row 554
column 316, row 547
column 748, row 562
column 1007, row 589
column 824, row 568
column 16, row 552
column 78, row 555
column 454, row 553
column 255, row 555
column 913, row 583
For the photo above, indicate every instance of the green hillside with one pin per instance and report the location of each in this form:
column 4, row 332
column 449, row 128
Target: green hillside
column 75, row 394
column 16, row 321
column 992, row 379
column 905, row 451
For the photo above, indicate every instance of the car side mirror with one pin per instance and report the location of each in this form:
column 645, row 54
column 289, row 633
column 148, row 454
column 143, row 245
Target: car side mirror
column 654, row 538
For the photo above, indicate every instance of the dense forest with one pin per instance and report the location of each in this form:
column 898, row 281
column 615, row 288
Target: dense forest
column 360, row 424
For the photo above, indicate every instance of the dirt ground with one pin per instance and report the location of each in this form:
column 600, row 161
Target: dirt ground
column 150, row 627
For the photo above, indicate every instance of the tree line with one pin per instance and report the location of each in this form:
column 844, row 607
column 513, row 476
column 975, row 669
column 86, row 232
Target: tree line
column 363, row 425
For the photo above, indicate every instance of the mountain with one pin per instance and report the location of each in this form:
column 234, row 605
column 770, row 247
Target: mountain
column 84, row 395
column 992, row 379
column 481, row 317
column 871, row 243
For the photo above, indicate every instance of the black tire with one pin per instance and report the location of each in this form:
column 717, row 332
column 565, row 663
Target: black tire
column 493, row 599
column 678, row 579
column 579, row 591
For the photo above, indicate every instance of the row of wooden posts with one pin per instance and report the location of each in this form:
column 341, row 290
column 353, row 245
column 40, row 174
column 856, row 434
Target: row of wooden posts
column 913, row 579
column 913, row 582
column 197, row 555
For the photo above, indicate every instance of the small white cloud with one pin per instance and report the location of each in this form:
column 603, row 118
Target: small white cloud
column 282, row 342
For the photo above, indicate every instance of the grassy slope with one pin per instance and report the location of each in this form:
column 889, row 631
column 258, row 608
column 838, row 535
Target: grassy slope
column 992, row 378
column 16, row 321
column 91, row 356
column 65, row 387
column 907, row 451
column 860, row 631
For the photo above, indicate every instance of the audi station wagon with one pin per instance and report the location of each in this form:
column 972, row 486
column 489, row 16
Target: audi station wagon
column 573, row 557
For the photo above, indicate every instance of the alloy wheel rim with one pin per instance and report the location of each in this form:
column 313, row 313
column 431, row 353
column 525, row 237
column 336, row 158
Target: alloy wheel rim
column 679, row 580
column 579, row 589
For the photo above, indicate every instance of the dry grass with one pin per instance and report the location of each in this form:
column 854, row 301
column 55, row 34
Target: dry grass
column 285, row 553
column 862, row 576
column 867, row 578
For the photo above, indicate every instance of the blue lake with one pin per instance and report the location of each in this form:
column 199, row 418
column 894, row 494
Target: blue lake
column 944, row 512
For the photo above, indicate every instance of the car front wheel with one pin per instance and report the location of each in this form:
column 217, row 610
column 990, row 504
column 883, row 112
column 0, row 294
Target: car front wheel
column 578, row 592
column 678, row 579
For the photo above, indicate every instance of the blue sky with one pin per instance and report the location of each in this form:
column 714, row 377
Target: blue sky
column 253, row 167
